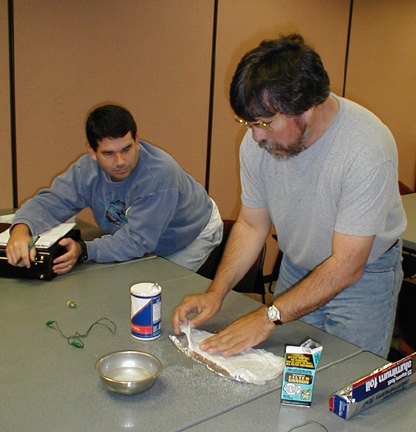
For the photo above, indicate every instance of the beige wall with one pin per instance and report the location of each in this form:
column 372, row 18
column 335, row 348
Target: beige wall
column 154, row 57
column 151, row 56
column 382, row 71
column 6, row 195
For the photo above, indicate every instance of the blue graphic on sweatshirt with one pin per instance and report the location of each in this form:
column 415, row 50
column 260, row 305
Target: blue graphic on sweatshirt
column 116, row 213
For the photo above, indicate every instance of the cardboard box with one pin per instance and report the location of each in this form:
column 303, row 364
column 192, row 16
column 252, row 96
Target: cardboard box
column 301, row 363
column 373, row 388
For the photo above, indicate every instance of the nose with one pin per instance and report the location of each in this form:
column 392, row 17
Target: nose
column 119, row 159
column 259, row 134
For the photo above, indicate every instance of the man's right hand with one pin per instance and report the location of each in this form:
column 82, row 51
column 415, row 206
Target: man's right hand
column 206, row 306
column 18, row 247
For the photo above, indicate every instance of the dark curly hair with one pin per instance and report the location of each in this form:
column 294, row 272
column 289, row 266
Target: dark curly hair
column 283, row 75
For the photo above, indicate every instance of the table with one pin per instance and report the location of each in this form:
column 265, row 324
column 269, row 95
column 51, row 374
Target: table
column 48, row 385
column 266, row 414
column 409, row 235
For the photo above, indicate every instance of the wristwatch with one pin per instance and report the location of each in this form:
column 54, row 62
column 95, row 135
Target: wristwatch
column 84, row 252
column 273, row 315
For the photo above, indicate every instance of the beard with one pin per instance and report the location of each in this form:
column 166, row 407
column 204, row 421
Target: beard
column 293, row 148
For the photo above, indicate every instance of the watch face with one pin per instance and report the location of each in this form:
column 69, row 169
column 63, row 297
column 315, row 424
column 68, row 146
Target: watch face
column 273, row 313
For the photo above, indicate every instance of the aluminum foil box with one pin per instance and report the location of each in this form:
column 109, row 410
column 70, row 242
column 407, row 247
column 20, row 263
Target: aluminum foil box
column 374, row 388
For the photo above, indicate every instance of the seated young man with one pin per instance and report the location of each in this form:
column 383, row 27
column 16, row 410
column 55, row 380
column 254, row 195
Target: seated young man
column 140, row 197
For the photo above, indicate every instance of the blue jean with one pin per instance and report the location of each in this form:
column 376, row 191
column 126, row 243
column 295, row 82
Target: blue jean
column 363, row 313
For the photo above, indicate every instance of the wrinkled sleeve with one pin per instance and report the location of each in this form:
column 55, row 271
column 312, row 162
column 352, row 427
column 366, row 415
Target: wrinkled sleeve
column 55, row 205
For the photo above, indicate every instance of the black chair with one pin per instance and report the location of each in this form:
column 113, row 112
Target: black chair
column 252, row 282
column 404, row 189
column 405, row 319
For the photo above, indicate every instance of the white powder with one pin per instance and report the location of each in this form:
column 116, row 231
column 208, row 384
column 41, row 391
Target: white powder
column 254, row 366
column 146, row 289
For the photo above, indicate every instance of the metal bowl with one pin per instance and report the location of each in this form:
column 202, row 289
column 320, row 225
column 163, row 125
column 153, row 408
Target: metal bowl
column 128, row 372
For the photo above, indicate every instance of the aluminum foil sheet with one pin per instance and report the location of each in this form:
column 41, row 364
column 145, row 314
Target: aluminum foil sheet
column 181, row 343
column 252, row 366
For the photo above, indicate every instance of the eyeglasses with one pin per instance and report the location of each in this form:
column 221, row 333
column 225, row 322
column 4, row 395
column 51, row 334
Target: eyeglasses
column 257, row 124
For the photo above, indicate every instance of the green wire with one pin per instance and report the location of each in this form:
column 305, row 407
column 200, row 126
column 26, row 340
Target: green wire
column 75, row 340
column 308, row 423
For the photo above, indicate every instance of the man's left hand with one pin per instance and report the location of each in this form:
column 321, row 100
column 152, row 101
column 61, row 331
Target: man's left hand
column 65, row 263
column 244, row 333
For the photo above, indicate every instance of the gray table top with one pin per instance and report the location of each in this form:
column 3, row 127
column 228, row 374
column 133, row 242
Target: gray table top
column 267, row 414
column 48, row 385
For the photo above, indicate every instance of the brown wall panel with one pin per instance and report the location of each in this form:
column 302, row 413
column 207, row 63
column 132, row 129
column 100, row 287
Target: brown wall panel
column 382, row 71
column 242, row 25
column 6, row 195
column 152, row 56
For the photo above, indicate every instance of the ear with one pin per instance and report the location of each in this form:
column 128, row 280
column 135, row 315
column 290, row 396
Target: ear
column 137, row 141
column 92, row 153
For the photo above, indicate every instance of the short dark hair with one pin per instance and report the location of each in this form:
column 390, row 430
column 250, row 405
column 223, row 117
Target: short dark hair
column 283, row 75
column 109, row 121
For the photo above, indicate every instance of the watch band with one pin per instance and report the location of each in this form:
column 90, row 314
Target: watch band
column 84, row 252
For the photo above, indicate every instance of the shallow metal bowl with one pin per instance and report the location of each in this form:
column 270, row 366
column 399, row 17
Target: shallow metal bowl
column 128, row 372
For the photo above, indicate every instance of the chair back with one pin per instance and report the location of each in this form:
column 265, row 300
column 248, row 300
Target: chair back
column 252, row 282
column 406, row 306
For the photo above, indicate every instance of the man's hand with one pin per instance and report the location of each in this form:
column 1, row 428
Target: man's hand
column 246, row 239
column 205, row 305
column 18, row 247
column 64, row 263
column 242, row 334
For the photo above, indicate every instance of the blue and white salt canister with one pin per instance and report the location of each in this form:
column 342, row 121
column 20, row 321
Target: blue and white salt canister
column 146, row 310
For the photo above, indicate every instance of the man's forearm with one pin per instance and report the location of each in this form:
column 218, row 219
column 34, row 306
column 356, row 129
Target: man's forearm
column 325, row 282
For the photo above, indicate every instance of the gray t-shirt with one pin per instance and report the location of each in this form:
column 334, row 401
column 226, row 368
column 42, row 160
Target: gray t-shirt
column 345, row 182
